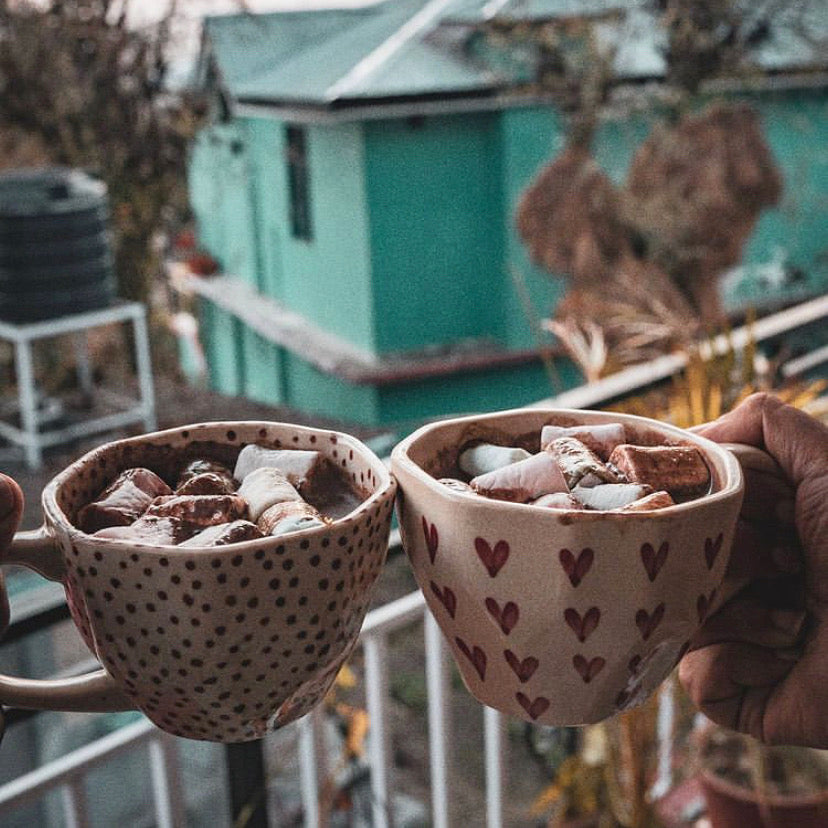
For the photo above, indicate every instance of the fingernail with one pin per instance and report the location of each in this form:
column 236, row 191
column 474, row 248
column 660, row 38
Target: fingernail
column 7, row 498
column 786, row 559
column 790, row 654
column 789, row 621
column 785, row 511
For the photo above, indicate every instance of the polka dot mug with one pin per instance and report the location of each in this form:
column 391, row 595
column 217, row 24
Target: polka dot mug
column 221, row 643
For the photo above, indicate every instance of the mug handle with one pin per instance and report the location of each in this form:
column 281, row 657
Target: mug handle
column 95, row 692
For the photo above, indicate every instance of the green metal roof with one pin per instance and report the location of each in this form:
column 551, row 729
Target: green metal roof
column 413, row 48
column 341, row 63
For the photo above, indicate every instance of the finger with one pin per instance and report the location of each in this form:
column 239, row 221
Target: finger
column 797, row 441
column 732, row 683
column 11, row 509
column 744, row 620
column 5, row 612
column 763, row 552
column 768, row 498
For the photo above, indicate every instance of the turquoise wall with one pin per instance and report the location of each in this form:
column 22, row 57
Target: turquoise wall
column 221, row 194
column 436, row 229
column 404, row 405
column 262, row 369
column 222, row 339
column 328, row 279
column 313, row 391
column 796, row 127
column 239, row 194
column 529, row 138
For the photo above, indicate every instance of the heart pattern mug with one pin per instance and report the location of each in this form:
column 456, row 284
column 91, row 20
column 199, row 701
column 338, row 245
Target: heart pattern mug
column 561, row 617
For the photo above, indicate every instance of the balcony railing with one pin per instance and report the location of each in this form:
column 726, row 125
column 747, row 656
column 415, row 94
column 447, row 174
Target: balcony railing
column 67, row 774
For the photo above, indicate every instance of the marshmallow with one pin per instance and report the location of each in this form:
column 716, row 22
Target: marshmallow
column 223, row 534
column 123, row 501
column 263, row 487
column 297, row 465
column 601, row 439
column 657, row 500
column 577, row 461
column 610, row 495
column 486, row 457
column 522, row 481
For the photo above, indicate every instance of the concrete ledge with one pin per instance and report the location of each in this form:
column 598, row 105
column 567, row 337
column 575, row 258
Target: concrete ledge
column 333, row 355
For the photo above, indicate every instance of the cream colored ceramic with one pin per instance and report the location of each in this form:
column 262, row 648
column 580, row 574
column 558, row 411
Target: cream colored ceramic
column 558, row 617
column 221, row 643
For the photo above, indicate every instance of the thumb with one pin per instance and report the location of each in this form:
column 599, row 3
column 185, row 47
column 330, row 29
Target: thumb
column 11, row 509
column 797, row 441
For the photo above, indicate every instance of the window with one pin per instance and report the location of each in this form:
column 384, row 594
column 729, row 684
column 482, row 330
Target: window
column 298, row 184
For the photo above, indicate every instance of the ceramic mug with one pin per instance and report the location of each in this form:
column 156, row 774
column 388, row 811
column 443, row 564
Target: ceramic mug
column 561, row 617
column 220, row 643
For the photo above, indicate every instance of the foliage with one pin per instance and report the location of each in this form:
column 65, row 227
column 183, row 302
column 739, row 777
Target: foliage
column 88, row 90
column 642, row 258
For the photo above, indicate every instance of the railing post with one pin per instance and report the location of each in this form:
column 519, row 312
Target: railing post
column 664, row 734
column 376, row 690
column 437, row 684
column 166, row 783
column 312, row 764
column 493, row 735
column 73, row 799
column 248, row 789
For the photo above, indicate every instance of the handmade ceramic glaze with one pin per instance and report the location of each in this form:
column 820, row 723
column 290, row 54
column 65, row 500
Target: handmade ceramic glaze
column 561, row 617
column 220, row 643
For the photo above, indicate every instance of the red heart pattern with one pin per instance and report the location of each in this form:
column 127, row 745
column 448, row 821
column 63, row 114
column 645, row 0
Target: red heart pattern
column 703, row 604
column 533, row 707
column 525, row 669
column 647, row 622
column 712, row 549
column 587, row 670
column 507, row 617
column 475, row 655
column 652, row 560
column 493, row 559
column 432, row 539
column 446, row 597
column 495, row 556
column 584, row 626
column 576, row 568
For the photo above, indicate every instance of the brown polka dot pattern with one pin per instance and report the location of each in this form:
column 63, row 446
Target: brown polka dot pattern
column 228, row 642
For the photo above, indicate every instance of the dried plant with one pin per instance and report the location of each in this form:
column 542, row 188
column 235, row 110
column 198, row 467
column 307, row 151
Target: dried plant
column 86, row 89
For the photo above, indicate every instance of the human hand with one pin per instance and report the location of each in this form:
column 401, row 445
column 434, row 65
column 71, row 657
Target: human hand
column 760, row 663
column 11, row 509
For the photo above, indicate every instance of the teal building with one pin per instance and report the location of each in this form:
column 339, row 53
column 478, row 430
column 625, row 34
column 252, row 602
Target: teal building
column 357, row 184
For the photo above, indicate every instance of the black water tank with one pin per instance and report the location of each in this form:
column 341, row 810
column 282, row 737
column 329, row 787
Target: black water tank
column 55, row 248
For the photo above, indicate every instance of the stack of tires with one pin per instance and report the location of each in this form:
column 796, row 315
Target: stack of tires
column 55, row 246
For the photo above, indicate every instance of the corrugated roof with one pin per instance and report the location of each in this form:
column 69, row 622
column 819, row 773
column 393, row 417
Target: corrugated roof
column 403, row 48
column 340, row 66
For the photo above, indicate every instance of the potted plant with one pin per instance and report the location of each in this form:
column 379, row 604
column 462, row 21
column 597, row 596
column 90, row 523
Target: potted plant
column 746, row 783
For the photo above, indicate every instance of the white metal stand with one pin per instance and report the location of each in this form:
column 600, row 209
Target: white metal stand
column 29, row 435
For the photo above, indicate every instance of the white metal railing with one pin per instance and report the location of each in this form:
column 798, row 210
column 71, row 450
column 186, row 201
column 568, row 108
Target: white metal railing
column 67, row 773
